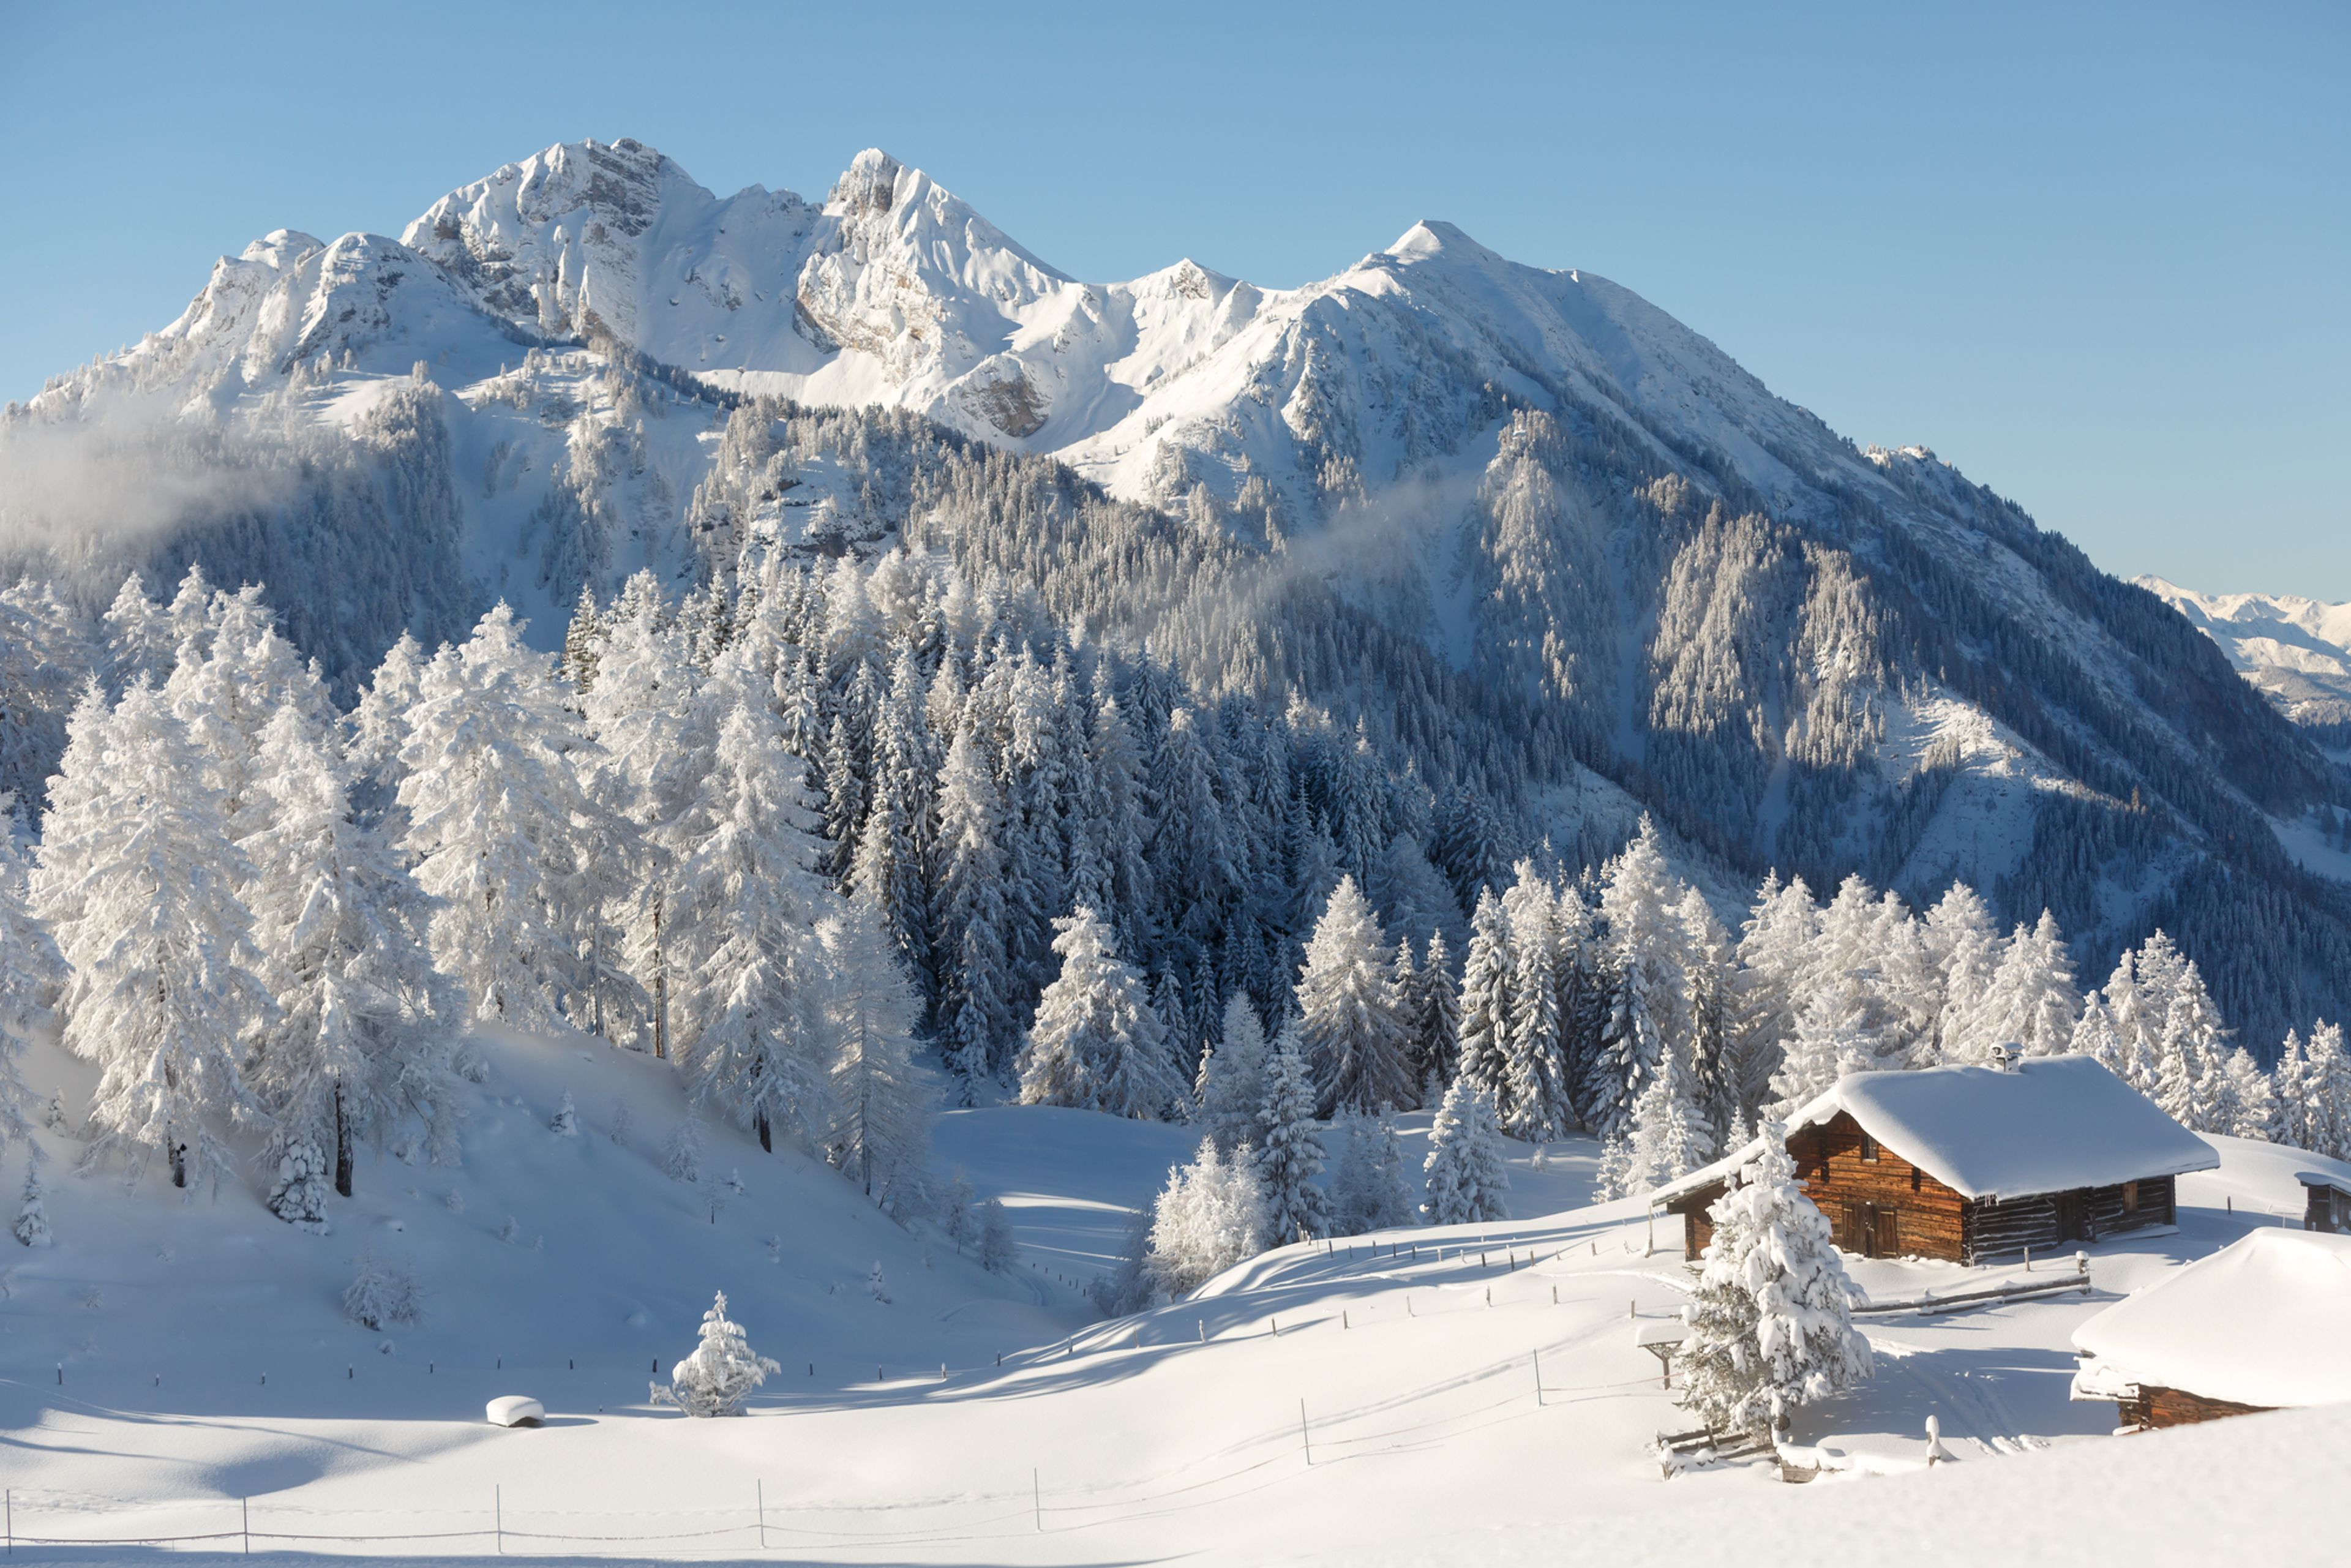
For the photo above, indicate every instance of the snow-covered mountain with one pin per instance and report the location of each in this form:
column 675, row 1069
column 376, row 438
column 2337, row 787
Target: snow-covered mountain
column 1526, row 526
column 2297, row 651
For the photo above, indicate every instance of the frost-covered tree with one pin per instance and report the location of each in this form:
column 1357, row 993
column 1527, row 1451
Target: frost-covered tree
column 1210, row 1216
column 1964, row 948
column 138, row 878
column 1435, row 1047
column 753, row 1033
column 1832, row 1040
column 1774, row 947
column 1288, row 1146
column 879, row 1135
column 32, row 1224
column 2326, row 1093
column 30, row 969
column 1771, row 1322
column 1649, row 955
column 499, row 825
column 2188, row 1052
column 1370, row 1188
column 1665, row 1139
column 1464, row 1175
column 2031, row 1000
column 1533, row 1101
column 682, row 1151
column 975, row 1009
column 360, row 1035
column 1347, row 1022
column 722, row 1372
column 1485, row 995
column 383, row 1294
column 2251, row 1106
column 1235, row 1086
column 997, row 1252
column 1096, row 1043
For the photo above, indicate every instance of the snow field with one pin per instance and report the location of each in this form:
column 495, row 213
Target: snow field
column 1174, row 1431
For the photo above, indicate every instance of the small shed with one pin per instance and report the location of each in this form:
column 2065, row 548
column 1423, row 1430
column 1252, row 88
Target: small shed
column 2329, row 1202
column 2258, row 1325
column 1971, row 1163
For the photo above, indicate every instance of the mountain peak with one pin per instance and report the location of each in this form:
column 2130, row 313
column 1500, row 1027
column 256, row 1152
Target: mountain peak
column 869, row 185
column 1435, row 237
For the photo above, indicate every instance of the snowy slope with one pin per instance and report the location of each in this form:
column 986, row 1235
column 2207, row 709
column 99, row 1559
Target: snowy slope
column 1411, row 1357
column 2296, row 650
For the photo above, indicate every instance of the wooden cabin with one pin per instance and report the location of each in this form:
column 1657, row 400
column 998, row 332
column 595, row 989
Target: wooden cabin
column 2255, row 1326
column 2328, row 1202
column 1971, row 1164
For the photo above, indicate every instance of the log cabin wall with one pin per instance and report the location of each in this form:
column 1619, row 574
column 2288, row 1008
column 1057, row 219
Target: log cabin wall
column 2178, row 1408
column 1860, row 1183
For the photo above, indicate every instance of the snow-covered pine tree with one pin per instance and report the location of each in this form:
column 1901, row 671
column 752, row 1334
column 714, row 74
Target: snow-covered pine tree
column 1289, row 1151
column 682, row 1151
column 364, row 1014
column 1486, row 1003
column 1964, row 951
column 1096, row 1043
column 1465, row 1175
column 32, row 1224
column 564, row 1123
column 752, row 1040
column 140, row 879
column 2095, row 1036
column 138, row 638
column 1235, row 1088
column 1369, row 1187
column 2031, row 1000
column 1436, row 1054
column 1771, row 1322
column 1664, row 1139
column 383, row 1294
column 2252, row 1100
column 499, row 823
column 880, row 1135
column 1532, row 1099
column 1830, row 1041
column 1649, row 955
column 997, row 1252
column 1773, row 946
column 2327, row 1092
column 1210, row 1216
column 30, row 969
column 721, row 1373
column 1347, row 1023
column 974, row 1010
column 2188, row 1052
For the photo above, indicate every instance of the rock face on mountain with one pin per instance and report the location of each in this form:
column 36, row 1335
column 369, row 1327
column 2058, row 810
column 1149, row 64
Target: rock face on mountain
column 1608, row 546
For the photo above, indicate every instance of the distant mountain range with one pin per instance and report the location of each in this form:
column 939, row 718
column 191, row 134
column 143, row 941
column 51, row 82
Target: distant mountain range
column 2296, row 651
column 1538, row 487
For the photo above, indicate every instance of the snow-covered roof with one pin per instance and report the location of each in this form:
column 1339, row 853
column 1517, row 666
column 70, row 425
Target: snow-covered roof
column 2050, row 1124
column 2262, row 1322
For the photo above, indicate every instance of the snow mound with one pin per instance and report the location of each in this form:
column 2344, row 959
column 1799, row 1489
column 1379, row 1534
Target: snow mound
column 2258, row 1323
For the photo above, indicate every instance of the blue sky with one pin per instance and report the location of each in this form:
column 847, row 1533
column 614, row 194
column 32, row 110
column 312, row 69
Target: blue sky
column 2094, row 256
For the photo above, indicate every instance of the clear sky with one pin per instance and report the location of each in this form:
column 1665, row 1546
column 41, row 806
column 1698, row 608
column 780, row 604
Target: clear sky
column 2094, row 256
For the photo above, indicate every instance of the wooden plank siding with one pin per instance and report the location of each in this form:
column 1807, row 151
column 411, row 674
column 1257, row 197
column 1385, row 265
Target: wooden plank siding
column 1880, row 1205
column 2178, row 1408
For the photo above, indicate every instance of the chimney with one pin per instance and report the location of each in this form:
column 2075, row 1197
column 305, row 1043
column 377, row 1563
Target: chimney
column 2004, row 1057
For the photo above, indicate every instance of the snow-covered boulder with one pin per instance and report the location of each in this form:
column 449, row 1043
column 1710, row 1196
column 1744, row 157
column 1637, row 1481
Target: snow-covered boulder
column 514, row 1410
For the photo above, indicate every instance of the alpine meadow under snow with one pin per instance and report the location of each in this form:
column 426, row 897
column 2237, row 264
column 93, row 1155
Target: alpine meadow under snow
column 1123, row 857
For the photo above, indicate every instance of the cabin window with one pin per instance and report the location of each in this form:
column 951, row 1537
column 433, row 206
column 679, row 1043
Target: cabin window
column 2130, row 1197
column 1868, row 1149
